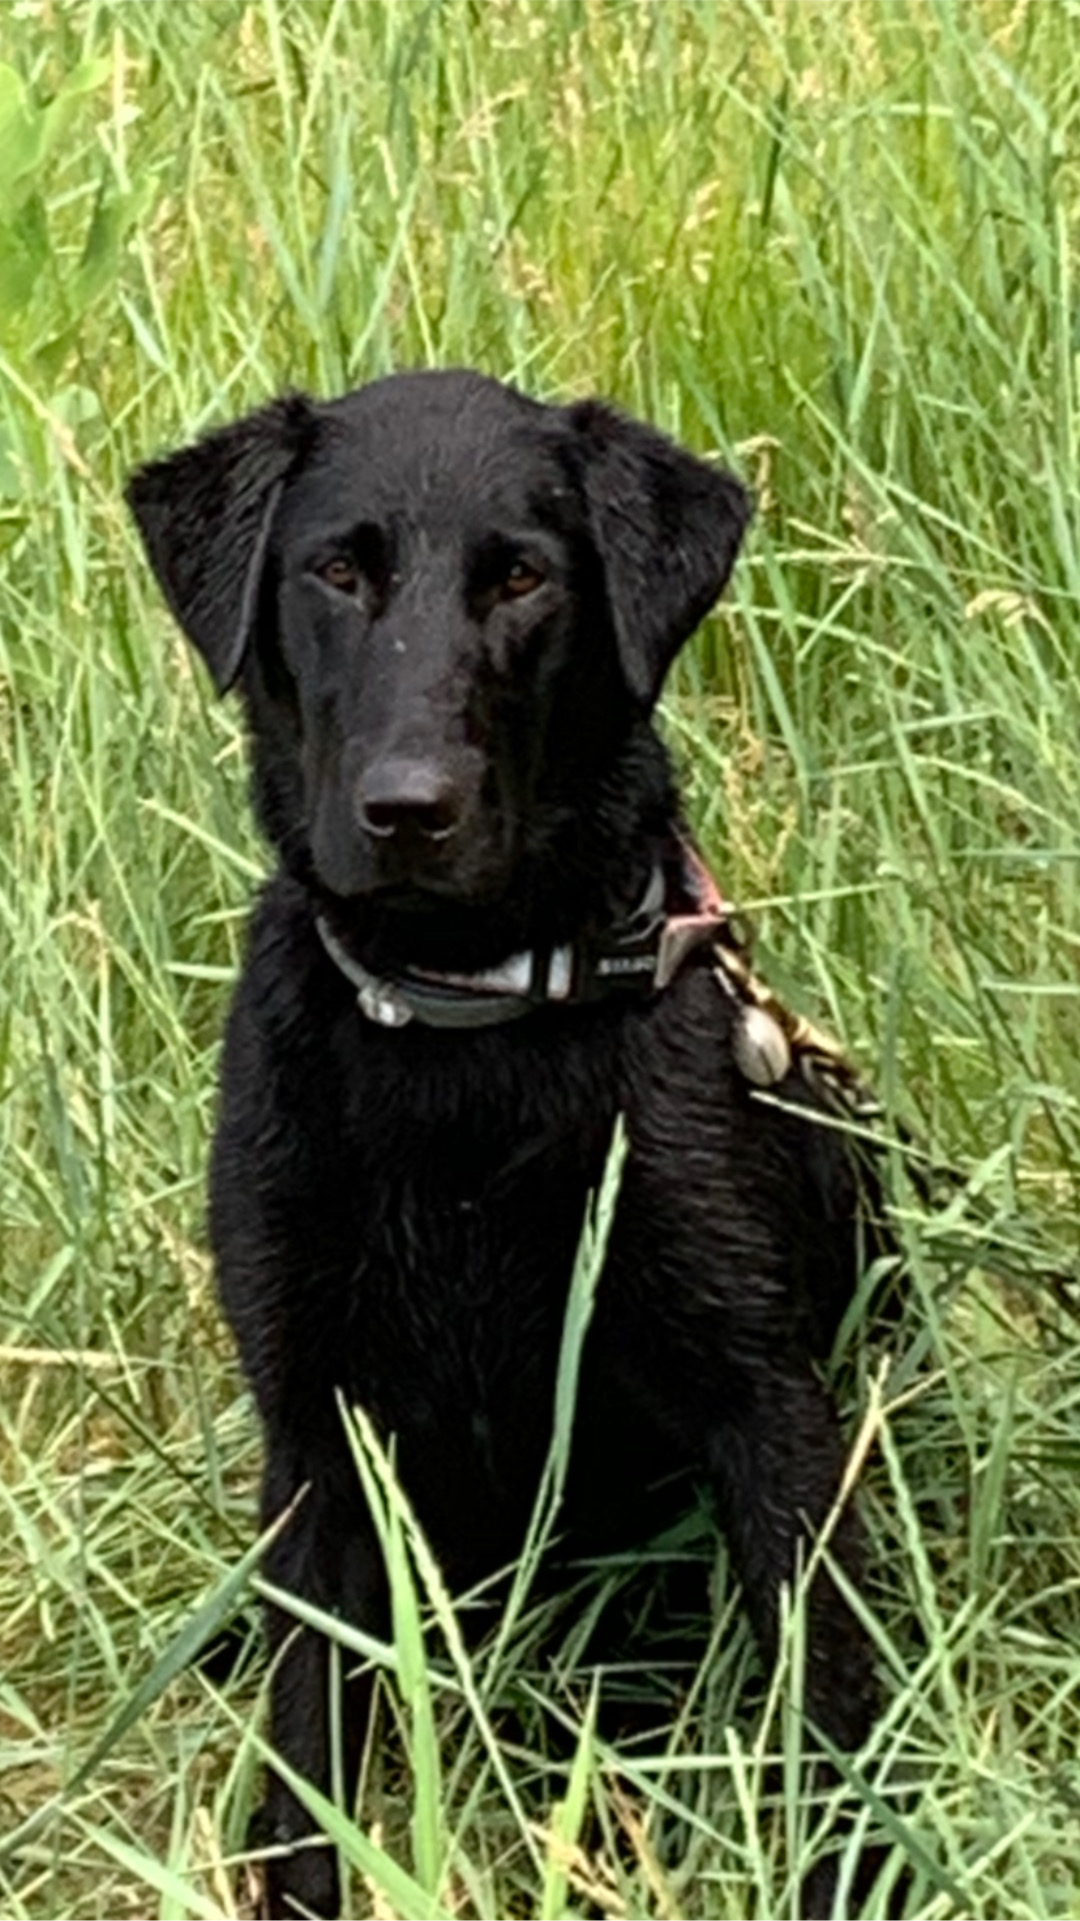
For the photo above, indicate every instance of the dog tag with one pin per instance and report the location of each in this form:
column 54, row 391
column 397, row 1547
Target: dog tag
column 761, row 1049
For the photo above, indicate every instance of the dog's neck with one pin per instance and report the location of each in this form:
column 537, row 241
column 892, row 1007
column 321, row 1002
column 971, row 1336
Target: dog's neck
column 681, row 912
column 466, row 938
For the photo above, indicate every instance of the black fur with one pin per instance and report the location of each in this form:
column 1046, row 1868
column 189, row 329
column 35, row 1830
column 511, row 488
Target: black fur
column 450, row 610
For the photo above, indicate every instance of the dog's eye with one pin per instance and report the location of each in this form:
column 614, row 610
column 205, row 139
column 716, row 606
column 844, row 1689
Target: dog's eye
column 520, row 579
column 341, row 574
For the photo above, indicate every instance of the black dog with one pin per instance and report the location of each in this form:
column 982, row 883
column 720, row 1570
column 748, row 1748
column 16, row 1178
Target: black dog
column 449, row 611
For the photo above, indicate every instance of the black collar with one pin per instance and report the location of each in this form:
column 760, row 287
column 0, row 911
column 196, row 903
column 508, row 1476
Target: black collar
column 640, row 955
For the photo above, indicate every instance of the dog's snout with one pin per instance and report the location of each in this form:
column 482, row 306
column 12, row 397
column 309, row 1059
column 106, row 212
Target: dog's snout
column 408, row 797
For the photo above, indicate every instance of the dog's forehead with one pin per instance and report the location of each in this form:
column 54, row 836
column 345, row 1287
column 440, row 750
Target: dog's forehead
column 433, row 450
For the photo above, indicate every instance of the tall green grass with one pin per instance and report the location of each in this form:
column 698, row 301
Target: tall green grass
column 836, row 241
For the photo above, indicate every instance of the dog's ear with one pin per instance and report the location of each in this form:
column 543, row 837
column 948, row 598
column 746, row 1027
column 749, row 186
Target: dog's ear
column 667, row 528
column 205, row 515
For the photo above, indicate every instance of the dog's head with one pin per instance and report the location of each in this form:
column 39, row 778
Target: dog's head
column 447, row 607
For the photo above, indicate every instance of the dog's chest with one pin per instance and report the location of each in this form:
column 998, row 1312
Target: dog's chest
column 464, row 1242
column 446, row 1181
column 462, row 1246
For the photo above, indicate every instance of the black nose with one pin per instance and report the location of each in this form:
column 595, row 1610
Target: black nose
column 408, row 797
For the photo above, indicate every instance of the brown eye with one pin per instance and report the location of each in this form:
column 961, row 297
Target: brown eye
column 341, row 574
column 520, row 579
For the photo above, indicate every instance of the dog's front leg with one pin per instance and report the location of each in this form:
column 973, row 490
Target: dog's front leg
column 777, row 1472
column 326, row 1554
column 760, row 1425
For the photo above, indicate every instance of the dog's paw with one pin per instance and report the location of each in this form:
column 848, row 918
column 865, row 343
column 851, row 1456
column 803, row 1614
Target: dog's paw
column 299, row 1873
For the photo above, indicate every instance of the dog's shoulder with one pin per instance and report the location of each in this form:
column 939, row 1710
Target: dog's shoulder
column 770, row 1178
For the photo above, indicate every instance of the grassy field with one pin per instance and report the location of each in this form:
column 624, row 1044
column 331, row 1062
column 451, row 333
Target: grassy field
column 836, row 240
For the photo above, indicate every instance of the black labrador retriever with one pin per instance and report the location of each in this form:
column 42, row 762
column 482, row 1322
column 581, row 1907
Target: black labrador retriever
column 449, row 610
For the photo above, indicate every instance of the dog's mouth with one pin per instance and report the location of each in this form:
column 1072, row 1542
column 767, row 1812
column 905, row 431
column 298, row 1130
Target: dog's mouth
column 434, row 918
column 365, row 881
column 409, row 897
column 428, row 893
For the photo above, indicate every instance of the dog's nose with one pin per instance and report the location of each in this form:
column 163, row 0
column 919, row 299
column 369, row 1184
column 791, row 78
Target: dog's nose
column 408, row 797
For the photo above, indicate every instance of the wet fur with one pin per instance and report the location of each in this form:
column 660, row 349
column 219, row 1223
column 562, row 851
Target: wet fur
column 394, row 1214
